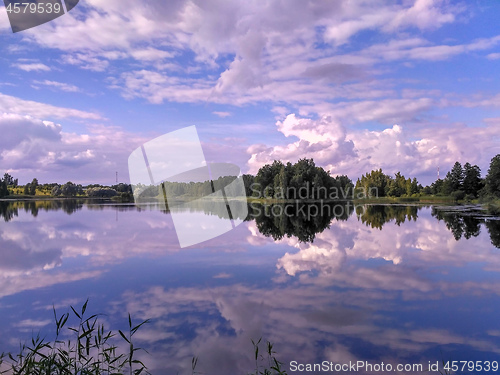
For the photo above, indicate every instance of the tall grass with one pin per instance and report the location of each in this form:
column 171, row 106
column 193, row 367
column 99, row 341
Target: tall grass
column 92, row 350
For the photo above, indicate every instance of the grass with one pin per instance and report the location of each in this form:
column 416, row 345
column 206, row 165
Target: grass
column 93, row 350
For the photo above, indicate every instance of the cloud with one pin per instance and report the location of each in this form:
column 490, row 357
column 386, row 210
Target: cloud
column 11, row 104
column 222, row 114
column 424, row 15
column 58, row 85
column 280, row 60
column 86, row 61
column 37, row 67
column 17, row 129
column 393, row 149
column 493, row 56
column 32, row 146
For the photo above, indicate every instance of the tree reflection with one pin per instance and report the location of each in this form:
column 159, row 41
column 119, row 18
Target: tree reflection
column 301, row 220
column 459, row 224
column 377, row 216
column 494, row 231
column 10, row 209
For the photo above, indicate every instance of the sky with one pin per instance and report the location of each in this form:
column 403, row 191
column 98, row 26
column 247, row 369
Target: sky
column 404, row 86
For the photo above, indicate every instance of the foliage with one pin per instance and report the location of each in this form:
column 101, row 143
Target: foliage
column 460, row 183
column 493, row 177
column 456, row 177
column 101, row 192
column 271, row 365
column 458, row 195
column 4, row 190
column 56, row 191
column 9, row 180
column 69, row 189
column 122, row 188
column 387, row 186
column 472, row 182
column 32, row 187
column 94, row 350
column 302, row 180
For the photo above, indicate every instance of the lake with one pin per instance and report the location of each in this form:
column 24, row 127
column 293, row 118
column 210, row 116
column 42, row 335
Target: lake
column 392, row 284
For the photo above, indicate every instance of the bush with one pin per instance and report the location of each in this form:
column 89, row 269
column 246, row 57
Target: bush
column 469, row 197
column 493, row 209
column 101, row 192
column 458, row 195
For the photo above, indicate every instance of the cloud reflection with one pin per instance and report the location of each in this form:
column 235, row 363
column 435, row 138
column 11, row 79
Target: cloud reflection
column 386, row 284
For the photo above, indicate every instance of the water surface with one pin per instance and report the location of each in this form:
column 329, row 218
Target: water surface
column 398, row 284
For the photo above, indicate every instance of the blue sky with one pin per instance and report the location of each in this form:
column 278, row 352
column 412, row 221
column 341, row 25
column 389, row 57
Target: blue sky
column 356, row 85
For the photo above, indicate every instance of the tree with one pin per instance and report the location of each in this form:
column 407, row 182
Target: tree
column 493, row 177
column 4, row 190
column 411, row 186
column 472, row 179
column 265, row 179
column 376, row 181
column 103, row 192
column 33, row 186
column 69, row 189
column 397, row 186
column 9, row 180
column 437, row 187
column 26, row 190
column 456, row 177
column 56, row 191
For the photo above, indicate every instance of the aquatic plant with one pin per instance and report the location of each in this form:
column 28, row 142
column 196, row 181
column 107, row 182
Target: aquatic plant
column 93, row 351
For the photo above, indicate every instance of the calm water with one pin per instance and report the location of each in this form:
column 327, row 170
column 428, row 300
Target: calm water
column 393, row 283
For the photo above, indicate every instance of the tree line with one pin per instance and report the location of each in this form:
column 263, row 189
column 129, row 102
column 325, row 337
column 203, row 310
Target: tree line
column 462, row 182
column 302, row 180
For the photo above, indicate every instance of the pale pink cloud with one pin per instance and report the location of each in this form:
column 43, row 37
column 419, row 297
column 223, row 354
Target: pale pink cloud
column 416, row 152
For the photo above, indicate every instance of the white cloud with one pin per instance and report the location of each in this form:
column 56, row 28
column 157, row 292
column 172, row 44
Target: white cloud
column 59, row 85
column 424, row 14
column 11, row 104
column 86, row 61
column 222, row 114
column 37, row 67
column 392, row 149
column 17, row 129
column 277, row 61
column 60, row 156
column 493, row 56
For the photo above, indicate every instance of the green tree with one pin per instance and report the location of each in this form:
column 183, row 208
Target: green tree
column 493, row 177
column 375, row 181
column 69, row 189
column 265, row 178
column 472, row 179
column 456, row 177
column 4, row 190
column 437, row 187
column 9, row 180
column 411, row 186
column 56, row 191
column 33, row 186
